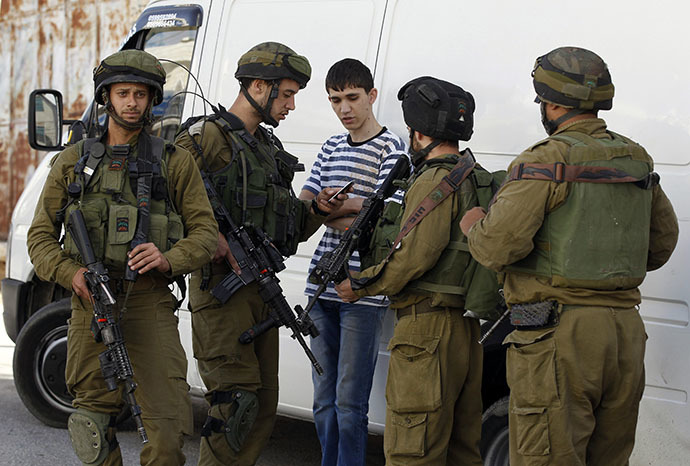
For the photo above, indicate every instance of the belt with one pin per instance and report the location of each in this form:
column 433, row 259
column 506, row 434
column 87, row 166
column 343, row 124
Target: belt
column 144, row 282
column 421, row 307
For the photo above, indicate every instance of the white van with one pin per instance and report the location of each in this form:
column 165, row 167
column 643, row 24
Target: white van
column 486, row 47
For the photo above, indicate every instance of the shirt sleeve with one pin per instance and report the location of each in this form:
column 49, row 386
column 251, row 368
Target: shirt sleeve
column 313, row 183
column 50, row 261
column 420, row 249
column 506, row 234
column 191, row 202
column 663, row 231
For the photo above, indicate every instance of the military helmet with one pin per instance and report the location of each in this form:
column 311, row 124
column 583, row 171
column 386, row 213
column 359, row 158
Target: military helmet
column 573, row 78
column 271, row 61
column 130, row 66
column 437, row 108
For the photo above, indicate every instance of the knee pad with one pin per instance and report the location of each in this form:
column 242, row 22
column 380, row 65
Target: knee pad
column 88, row 431
column 242, row 412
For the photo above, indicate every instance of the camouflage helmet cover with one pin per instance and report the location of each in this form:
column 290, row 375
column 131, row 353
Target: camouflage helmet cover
column 130, row 66
column 573, row 77
column 437, row 108
column 270, row 61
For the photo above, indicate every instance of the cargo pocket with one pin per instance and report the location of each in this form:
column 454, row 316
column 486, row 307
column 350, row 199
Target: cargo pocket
column 276, row 218
column 406, row 434
column 532, row 431
column 413, row 359
column 122, row 224
column 256, row 203
column 531, row 374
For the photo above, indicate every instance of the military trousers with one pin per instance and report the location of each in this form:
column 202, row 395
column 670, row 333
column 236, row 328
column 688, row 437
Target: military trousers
column 150, row 331
column 576, row 388
column 433, row 392
column 226, row 364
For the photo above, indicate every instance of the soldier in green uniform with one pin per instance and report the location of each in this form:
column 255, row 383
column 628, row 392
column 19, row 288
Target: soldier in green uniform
column 99, row 177
column 576, row 227
column 433, row 392
column 252, row 175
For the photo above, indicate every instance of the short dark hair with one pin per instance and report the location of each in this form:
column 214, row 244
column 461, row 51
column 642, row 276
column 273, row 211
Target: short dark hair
column 349, row 72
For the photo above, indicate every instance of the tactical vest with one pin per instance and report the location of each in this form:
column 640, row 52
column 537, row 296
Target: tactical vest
column 599, row 238
column 108, row 204
column 256, row 186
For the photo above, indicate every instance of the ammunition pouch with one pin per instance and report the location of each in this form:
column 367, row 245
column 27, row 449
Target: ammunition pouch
column 527, row 316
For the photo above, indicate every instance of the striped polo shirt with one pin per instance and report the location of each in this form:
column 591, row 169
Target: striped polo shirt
column 367, row 163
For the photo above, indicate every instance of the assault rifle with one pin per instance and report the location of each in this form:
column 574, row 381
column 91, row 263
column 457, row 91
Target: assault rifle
column 115, row 363
column 259, row 261
column 332, row 267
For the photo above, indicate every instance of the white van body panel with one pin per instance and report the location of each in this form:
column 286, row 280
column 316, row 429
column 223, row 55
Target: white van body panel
column 488, row 48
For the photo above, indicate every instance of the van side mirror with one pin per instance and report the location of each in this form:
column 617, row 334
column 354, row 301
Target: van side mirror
column 45, row 119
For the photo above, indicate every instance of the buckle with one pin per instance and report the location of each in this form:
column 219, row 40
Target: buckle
column 559, row 172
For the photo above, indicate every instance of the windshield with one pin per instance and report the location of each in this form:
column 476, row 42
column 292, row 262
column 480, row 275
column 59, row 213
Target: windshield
column 173, row 47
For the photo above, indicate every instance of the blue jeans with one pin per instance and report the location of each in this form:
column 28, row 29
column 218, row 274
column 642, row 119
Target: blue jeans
column 347, row 348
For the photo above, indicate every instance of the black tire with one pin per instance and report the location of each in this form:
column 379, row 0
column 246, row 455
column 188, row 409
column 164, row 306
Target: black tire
column 494, row 445
column 40, row 355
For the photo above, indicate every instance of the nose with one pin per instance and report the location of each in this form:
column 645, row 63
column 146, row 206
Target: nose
column 291, row 103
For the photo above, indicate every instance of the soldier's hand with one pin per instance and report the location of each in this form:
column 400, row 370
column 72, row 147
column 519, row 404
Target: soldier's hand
column 322, row 200
column 471, row 217
column 345, row 292
column 223, row 253
column 79, row 285
column 147, row 257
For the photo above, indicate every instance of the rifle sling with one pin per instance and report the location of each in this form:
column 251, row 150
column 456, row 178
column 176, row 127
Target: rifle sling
column 448, row 185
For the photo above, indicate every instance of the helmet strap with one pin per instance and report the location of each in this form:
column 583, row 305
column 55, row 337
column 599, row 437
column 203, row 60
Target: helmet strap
column 552, row 125
column 419, row 156
column 264, row 111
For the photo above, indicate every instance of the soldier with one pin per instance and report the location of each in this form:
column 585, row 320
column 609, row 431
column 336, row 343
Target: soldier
column 433, row 393
column 576, row 227
column 98, row 177
column 252, row 175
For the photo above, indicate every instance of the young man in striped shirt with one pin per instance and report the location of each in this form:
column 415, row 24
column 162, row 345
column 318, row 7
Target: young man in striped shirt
column 349, row 332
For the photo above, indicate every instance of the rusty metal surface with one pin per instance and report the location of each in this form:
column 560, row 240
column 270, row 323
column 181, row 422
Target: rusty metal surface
column 49, row 44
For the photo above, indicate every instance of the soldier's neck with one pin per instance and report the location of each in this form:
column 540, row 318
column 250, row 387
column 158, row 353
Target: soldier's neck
column 117, row 135
column 245, row 112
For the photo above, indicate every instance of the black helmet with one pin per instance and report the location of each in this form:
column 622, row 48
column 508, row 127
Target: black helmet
column 575, row 78
column 271, row 61
column 130, row 66
column 437, row 108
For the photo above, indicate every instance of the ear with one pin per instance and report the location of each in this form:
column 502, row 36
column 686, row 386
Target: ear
column 373, row 94
column 258, row 86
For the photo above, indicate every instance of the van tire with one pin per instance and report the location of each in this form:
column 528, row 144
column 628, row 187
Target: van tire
column 494, row 445
column 39, row 362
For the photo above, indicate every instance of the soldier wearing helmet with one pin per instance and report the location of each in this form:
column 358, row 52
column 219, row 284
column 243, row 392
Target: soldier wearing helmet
column 580, row 221
column 231, row 146
column 433, row 402
column 102, row 178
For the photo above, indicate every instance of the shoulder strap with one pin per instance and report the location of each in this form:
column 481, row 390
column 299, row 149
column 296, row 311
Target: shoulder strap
column 559, row 172
column 92, row 153
column 448, row 185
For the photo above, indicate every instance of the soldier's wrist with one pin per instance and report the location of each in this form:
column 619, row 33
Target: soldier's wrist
column 315, row 208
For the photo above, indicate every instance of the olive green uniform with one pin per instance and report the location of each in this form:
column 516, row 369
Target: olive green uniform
column 149, row 325
column 224, row 363
column 433, row 393
column 575, row 386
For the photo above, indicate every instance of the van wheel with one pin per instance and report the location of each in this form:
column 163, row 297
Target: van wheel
column 494, row 445
column 40, row 355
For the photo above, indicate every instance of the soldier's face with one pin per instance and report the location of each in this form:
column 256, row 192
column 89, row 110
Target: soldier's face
column 285, row 102
column 130, row 100
column 352, row 106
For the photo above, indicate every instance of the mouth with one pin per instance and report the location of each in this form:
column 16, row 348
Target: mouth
column 347, row 120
